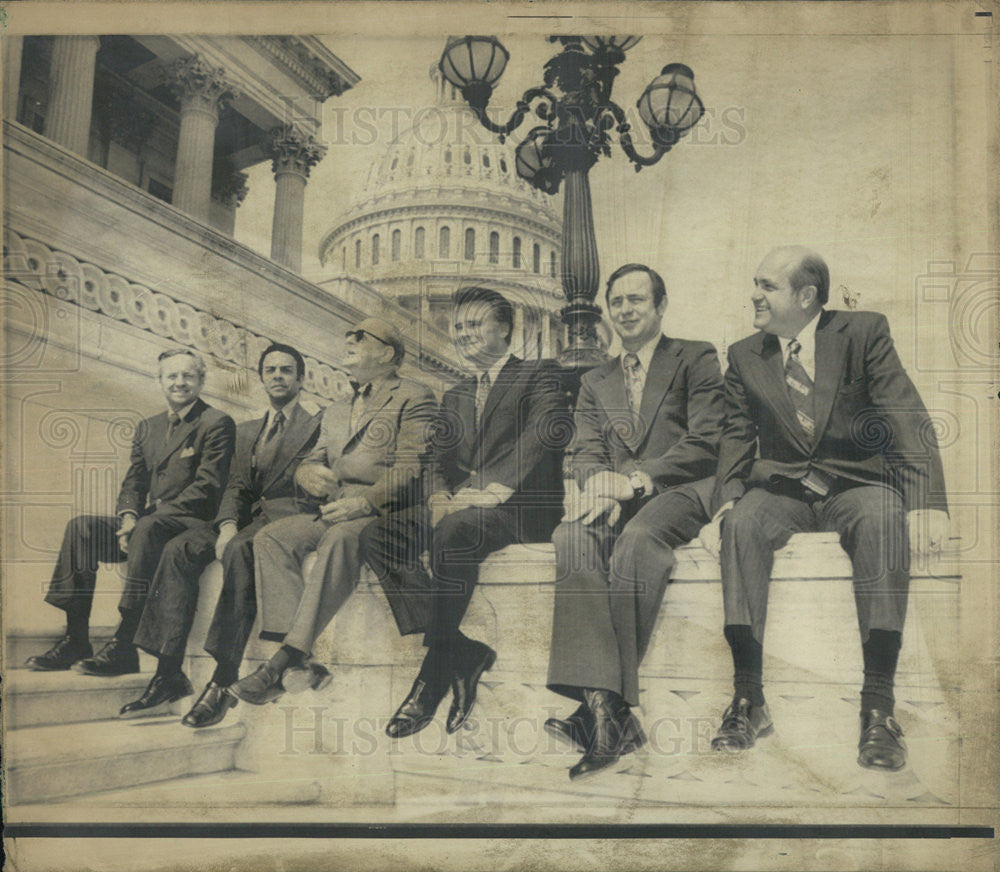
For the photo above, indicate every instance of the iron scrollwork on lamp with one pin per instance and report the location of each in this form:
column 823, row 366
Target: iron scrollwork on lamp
column 577, row 113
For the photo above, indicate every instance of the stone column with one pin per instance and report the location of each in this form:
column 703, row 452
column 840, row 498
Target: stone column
column 229, row 190
column 293, row 154
column 12, row 47
column 203, row 90
column 67, row 119
column 547, row 349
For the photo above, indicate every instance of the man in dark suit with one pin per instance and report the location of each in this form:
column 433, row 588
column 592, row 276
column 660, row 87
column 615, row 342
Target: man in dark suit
column 494, row 480
column 366, row 462
column 647, row 428
column 824, row 431
column 260, row 490
column 179, row 466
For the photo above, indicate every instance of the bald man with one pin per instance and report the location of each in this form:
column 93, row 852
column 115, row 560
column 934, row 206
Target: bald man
column 824, row 431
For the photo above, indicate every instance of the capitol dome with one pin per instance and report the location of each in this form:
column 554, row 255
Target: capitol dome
column 443, row 208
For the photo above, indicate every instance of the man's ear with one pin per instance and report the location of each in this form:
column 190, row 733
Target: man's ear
column 807, row 296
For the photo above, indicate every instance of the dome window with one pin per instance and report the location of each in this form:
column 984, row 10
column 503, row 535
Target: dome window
column 409, row 160
column 516, row 253
column 470, row 244
column 552, row 264
column 468, row 156
column 357, row 254
column 494, row 247
column 397, row 243
column 447, row 156
column 503, row 165
column 375, row 241
column 536, row 258
column 444, row 243
column 418, row 243
column 486, row 161
column 395, row 163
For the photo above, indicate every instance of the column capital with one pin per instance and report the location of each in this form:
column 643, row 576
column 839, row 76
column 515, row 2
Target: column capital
column 292, row 150
column 230, row 189
column 199, row 85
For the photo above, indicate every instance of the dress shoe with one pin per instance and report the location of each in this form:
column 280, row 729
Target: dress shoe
column 881, row 745
column 115, row 658
column 160, row 692
column 210, row 708
column 579, row 727
column 479, row 658
column 309, row 676
column 742, row 723
column 418, row 709
column 259, row 687
column 616, row 733
column 62, row 655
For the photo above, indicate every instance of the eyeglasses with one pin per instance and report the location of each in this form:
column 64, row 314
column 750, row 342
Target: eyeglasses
column 358, row 335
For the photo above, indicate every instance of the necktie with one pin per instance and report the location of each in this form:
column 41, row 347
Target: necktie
column 482, row 392
column 358, row 406
column 633, row 383
column 269, row 445
column 173, row 419
column 800, row 389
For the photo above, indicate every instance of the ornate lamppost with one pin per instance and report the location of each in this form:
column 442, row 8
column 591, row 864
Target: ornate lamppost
column 576, row 110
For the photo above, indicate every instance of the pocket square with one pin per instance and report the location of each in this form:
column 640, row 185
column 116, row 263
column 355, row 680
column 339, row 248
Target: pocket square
column 188, row 452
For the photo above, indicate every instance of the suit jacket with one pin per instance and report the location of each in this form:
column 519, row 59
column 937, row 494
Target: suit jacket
column 381, row 458
column 250, row 491
column 871, row 425
column 680, row 421
column 184, row 476
column 519, row 443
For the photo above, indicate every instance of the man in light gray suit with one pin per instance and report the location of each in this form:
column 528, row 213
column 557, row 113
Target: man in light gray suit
column 647, row 428
column 367, row 462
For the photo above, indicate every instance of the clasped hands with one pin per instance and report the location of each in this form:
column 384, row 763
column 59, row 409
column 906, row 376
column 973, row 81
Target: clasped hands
column 602, row 495
column 320, row 481
column 929, row 530
column 443, row 503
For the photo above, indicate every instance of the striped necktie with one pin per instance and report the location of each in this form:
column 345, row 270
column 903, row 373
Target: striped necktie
column 482, row 392
column 800, row 389
column 633, row 382
column 173, row 421
column 268, row 446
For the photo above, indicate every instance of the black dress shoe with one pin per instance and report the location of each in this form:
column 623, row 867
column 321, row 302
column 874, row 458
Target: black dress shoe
column 881, row 745
column 615, row 730
column 477, row 659
column 418, row 709
column 115, row 658
column 742, row 723
column 310, row 676
column 160, row 692
column 62, row 655
column 259, row 687
column 210, row 708
column 578, row 729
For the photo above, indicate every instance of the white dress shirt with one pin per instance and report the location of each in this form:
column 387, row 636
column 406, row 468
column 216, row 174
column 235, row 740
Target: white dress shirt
column 807, row 341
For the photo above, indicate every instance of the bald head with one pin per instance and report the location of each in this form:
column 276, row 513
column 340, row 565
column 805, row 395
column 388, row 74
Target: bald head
column 791, row 285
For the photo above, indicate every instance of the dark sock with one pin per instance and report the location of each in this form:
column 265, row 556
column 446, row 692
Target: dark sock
column 287, row 656
column 168, row 665
column 748, row 663
column 881, row 652
column 226, row 672
column 128, row 626
column 78, row 624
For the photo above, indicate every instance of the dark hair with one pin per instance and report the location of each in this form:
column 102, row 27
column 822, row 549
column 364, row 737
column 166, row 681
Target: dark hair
column 812, row 270
column 655, row 282
column 300, row 364
column 497, row 302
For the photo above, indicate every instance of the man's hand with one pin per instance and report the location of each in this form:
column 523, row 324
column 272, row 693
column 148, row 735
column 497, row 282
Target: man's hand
column 316, row 479
column 711, row 534
column 609, row 484
column 437, row 505
column 346, row 509
column 125, row 530
column 226, row 532
column 929, row 530
column 587, row 508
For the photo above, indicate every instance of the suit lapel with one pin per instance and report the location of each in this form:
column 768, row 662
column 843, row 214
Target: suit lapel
column 507, row 376
column 612, row 394
column 770, row 374
column 831, row 354
column 298, row 430
column 662, row 367
column 379, row 397
column 182, row 431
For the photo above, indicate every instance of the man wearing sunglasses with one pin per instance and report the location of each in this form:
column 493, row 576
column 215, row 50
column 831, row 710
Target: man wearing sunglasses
column 365, row 463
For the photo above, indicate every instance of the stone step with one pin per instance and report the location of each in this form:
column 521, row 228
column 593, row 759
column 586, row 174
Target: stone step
column 40, row 698
column 51, row 762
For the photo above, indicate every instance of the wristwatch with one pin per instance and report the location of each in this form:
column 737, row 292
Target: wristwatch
column 638, row 482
